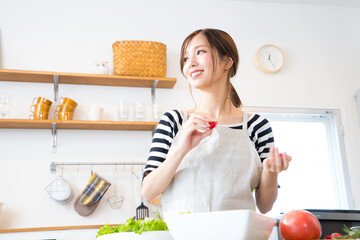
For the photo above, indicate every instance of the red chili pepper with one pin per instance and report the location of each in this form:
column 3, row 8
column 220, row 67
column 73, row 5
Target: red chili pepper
column 335, row 235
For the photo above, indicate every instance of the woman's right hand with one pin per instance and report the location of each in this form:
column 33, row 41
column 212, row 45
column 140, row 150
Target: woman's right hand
column 194, row 130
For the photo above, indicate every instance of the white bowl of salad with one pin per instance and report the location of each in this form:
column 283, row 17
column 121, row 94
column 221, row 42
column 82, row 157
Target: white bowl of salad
column 148, row 229
column 229, row 225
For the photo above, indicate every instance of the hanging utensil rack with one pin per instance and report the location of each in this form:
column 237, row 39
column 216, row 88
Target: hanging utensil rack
column 53, row 165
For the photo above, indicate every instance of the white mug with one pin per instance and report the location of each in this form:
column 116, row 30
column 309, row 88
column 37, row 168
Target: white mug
column 93, row 113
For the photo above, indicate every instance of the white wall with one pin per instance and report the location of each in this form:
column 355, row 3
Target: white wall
column 321, row 46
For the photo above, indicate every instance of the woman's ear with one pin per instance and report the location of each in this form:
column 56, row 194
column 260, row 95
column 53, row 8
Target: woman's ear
column 229, row 63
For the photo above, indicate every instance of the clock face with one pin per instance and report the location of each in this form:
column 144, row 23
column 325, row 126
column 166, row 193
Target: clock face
column 269, row 58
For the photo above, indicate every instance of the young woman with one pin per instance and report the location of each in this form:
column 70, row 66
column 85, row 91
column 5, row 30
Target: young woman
column 199, row 168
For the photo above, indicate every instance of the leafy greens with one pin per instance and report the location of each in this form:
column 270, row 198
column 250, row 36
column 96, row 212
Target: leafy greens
column 138, row 226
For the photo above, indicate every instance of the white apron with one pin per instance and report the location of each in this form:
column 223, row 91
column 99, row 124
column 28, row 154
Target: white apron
column 218, row 174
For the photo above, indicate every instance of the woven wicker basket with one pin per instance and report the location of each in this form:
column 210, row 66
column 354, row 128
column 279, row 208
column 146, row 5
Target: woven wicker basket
column 139, row 58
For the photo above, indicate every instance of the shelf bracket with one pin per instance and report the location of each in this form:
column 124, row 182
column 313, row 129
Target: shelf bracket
column 153, row 131
column 56, row 87
column 153, row 87
column 54, row 135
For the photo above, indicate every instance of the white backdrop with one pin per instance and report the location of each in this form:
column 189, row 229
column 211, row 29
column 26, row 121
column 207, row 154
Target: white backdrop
column 321, row 46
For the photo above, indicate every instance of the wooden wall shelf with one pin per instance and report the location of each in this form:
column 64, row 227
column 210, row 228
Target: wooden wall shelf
column 84, row 79
column 57, row 78
column 75, row 124
column 37, row 229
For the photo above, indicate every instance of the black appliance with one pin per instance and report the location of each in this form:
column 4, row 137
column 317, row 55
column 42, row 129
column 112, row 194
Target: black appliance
column 332, row 220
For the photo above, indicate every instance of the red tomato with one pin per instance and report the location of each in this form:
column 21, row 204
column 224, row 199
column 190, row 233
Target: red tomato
column 212, row 124
column 299, row 225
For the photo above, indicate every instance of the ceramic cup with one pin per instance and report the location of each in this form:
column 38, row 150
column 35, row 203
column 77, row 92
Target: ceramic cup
column 39, row 115
column 39, row 108
column 41, row 100
column 64, row 115
column 67, row 101
column 93, row 113
column 65, row 108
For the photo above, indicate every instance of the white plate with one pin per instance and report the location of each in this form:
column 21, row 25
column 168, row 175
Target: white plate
column 151, row 235
column 229, row 225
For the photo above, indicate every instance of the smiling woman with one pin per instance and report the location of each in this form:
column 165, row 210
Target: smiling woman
column 200, row 167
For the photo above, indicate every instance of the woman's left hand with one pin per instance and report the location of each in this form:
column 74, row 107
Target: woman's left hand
column 276, row 162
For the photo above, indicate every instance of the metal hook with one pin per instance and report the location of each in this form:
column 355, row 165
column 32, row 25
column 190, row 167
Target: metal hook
column 54, row 135
column 132, row 171
column 62, row 170
column 115, row 179
column 53, row 167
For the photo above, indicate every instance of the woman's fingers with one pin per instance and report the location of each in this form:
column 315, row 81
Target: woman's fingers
column 286, row 160
column 277, row 162
column 199, row 120
column 267, row 163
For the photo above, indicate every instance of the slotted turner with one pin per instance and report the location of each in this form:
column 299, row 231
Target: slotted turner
column 142, row 211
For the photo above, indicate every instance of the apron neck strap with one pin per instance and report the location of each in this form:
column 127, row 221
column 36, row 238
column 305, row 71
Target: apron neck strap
column 244, row 123
column 245, row 120
column 186, row 115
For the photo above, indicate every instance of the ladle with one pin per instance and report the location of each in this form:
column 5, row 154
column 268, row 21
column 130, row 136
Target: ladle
column 115, row 201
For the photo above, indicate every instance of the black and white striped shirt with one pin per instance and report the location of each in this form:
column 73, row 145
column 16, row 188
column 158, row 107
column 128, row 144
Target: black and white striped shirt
column 259, row 129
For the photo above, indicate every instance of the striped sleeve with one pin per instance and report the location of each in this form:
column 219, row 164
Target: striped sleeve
column 164, row 135
column 261, row 134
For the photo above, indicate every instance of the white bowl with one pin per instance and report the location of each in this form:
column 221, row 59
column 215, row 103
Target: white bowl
column 229, row 225
column 151, row 235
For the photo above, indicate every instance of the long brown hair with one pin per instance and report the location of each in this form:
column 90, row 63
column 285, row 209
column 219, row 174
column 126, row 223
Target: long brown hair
column 224, row 45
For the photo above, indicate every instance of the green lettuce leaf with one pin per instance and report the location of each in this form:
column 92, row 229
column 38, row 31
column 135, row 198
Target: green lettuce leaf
column 138, row 226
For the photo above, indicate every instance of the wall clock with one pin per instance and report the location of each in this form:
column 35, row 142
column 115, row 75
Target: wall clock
column 269, row 58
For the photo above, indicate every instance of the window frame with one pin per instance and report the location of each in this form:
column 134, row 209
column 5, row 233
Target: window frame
column 335, row 136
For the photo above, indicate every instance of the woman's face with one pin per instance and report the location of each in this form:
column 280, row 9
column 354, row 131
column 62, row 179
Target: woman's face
column 198, row 63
